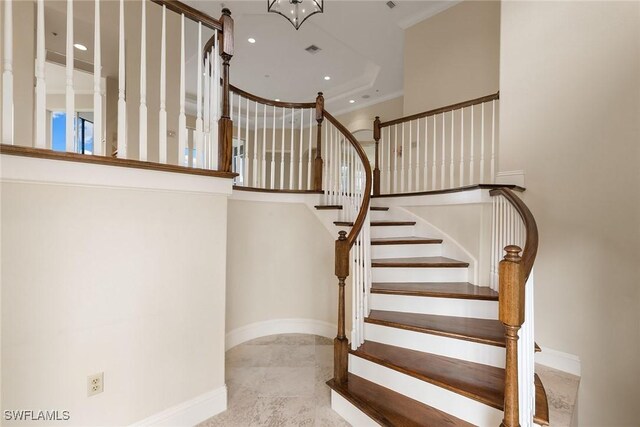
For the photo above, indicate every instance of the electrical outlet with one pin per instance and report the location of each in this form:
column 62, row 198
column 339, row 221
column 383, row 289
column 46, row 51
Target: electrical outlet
column 95, row 384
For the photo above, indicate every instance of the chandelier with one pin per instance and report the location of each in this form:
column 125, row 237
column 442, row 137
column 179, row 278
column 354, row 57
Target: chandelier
column 296, row 11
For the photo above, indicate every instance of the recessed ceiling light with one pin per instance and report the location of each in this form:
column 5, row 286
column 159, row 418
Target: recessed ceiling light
column 327, row 77
column 277, row 99
column 251, row 40
column 351, row 101
column 80, row 46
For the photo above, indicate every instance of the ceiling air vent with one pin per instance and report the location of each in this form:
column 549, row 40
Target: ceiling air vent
column 391, row 4
column 313, row 49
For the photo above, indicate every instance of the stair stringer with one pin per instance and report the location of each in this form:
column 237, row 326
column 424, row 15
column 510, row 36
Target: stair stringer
column 450, row 247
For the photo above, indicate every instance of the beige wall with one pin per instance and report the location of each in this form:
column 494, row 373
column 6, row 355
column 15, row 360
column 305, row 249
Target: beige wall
column 128, row 282
column 280, row 264
column 570, row 89
column 362, row 118
column 452, row 57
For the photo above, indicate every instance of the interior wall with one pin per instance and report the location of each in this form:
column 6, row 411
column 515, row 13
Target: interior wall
column 280, row 264
column 453, row 56
column 363, row 118
column 570, row 102
column 122, row 281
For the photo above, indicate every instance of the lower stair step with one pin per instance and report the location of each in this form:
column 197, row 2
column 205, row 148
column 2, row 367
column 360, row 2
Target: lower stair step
column 390, row 408
column 378, row 223
column 328, row 207
column 379, row 208
column 419, row 262
column 484, row 331
column 461, row 290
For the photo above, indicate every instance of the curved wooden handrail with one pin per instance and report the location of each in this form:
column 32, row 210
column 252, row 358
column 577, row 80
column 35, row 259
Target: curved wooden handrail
column 191, row 13
column 530, row 249
column 440, row 110
column 364, row 208
column 265, row 101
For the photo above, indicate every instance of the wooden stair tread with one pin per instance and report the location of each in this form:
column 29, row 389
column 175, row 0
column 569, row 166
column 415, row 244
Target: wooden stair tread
column 459, row 290
column 329, row 207
column 485, row 331
column 390, row 408
column 479, row 382
column 376, row 223
column 541, row 415
column 413, row 240
column 379, row 208
column 420, row 262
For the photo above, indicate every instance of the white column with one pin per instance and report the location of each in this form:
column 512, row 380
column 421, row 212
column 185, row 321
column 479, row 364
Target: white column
column 143, row 84
column 69, row 92
column 97, row 83
column 122, row 105
column 7, row 75
column 41, row 91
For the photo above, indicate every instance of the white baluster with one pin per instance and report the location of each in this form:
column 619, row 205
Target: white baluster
column 7, row 75
column 410, row 171
column 263, row 182
column 245, row 165
column 254, row 177
column 282, row 152
column 388, row 150
column 206, row 121
column 41, row 91
column 481, row 181
column 162, row 115
column 404, row 153
column 70, row 109
column 182, row 116
column 310, row 161
column 433, row 157
column 442, row 165
column 291, row 151
column 143, row 84
column 395, row 159
column 199, row 125
column 462, row 147
column 273, row 150
column 451, row 184
column 300, row 149
column 426, row 153
column 417, row 154
column 97, row 83
column 215, row 102
column 493, row 141
column 472, row 150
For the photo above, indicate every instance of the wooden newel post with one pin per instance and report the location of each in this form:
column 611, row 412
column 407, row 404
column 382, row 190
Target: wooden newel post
column 225, row 125
column 511, row 300
column 341, row 344
column 376, row 170
column 318, row 163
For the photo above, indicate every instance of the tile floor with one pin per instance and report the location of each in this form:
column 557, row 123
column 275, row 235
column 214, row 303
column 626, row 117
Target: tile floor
column 279, row 380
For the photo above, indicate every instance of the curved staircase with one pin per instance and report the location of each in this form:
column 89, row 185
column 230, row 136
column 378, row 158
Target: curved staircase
column 434, row 349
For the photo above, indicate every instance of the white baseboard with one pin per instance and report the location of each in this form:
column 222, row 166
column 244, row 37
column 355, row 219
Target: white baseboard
column 511, row 177
column 558, row 360
column 191, row 412
column 279, row 326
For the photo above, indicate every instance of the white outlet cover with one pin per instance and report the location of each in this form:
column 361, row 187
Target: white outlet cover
column 95, row 384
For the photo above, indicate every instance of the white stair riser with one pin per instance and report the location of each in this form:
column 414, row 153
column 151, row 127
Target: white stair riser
column 403, row 275
column 381, row 216
column 436, row 344
column 452, row 403
column 402, row 251
column 441, row 306
column 350, row 413
column 392, row 231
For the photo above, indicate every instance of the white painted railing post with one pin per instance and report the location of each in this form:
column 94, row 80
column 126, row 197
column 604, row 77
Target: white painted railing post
column 69, row 92
column 122, row 105
column 143, row 85
column 97, row 83
column 7, row 75
column 41, row 90
column 182, row 118
column 162, row 117
column 198, row 133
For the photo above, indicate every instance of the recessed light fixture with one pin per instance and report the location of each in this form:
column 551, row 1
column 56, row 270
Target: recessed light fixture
column 327, row 77
column 351, row 101
column 80, row 46
column 277, row 99
column 251, row 40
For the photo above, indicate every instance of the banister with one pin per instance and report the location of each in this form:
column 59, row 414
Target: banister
column 191, row 13
column 531, row 243
column 366, row 199
column 270, row 102
column 440, row 110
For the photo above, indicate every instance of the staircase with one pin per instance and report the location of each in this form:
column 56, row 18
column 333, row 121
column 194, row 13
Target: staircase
column 434, row 349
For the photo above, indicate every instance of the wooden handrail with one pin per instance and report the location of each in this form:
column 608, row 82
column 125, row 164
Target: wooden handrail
column 364, row 208
column 440, row 110
column 273, row 103
column 531, row 243
column 191, row 13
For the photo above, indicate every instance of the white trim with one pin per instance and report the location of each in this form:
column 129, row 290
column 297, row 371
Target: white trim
column 190, row 412
column 279, row 326
column 426, row 14
column 511, row 177
column 559, row 360
column 349, row 412
column 47, row 171
column 454, row 198
column 310, row 199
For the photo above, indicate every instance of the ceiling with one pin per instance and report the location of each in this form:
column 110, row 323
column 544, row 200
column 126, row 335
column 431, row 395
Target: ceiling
column 361, row 46
column 361, row 42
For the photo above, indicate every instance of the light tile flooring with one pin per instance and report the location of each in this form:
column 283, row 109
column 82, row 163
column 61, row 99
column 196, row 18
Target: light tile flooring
column 279, row 380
